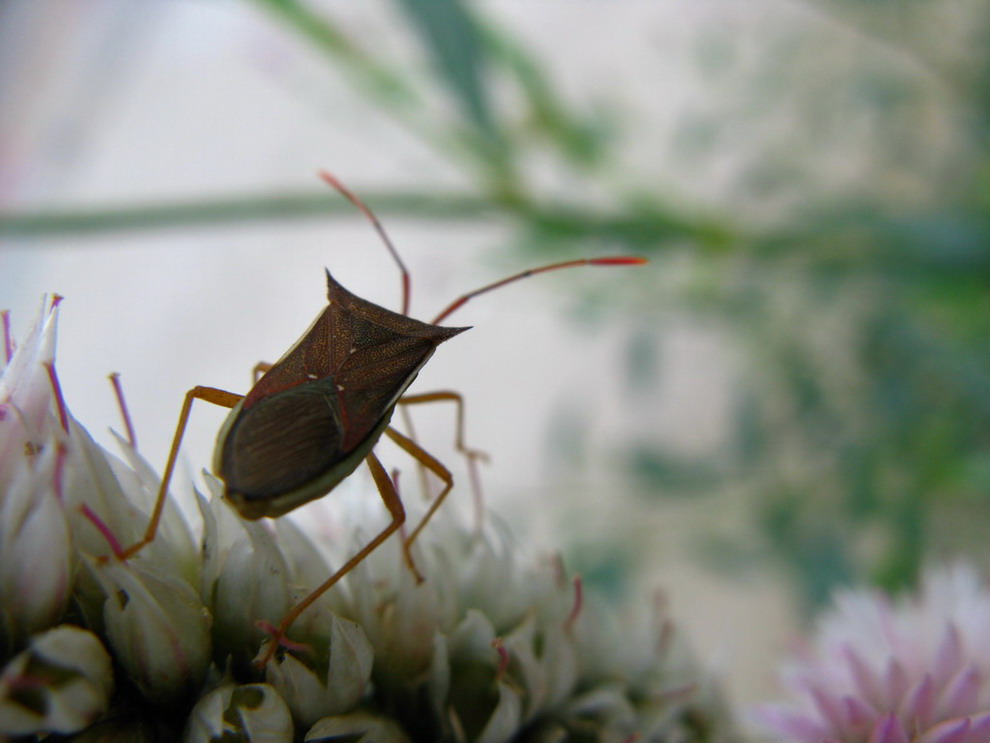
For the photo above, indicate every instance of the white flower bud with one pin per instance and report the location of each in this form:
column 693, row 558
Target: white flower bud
column 251, row 587
column 35, row 558
column 60, row 684
column 359, row 727
column 244, row 579
column 35, row 551
column 504, row 722
column 348, row 676
column 157, row 627
column 480, row 702
column 252, row 713
column 27, row 403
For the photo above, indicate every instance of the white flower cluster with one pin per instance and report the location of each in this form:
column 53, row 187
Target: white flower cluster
column 160, row 646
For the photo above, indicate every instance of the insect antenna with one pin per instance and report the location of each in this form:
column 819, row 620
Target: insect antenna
column 330, row 179
column 606, row 261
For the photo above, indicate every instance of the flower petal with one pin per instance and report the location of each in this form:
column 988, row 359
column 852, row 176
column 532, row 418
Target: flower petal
column 359, row 727
column 252, row 713
column 36, row 564
column 157, row 627
column 60, row 684
column 888, row 730
column 950, row 731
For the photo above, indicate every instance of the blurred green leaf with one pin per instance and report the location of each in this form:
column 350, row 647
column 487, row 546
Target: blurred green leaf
column 642, row 361
column 319, row 30
column 670, row 476
column 818, row 557
column 451, row 35
column 582, row 139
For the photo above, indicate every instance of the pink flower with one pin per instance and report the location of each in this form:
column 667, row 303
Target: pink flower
column 885, row 671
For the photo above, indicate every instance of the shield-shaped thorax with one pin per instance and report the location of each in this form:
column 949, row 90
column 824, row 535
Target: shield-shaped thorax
column 312, row 418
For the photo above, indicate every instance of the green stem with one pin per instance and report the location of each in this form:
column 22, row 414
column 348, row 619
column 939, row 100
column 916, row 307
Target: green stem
column 222, row 211
column 562, row 222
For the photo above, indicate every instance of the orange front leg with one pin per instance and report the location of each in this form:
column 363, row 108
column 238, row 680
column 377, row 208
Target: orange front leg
column 209, row 394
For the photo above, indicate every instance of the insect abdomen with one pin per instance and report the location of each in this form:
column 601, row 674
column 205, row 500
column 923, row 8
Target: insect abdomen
column 282, row 443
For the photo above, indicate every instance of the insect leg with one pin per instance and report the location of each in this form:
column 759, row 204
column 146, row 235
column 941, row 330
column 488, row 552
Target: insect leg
column 473, row 456
column 209, row 394
column 394, row 505
column 458, row 400
column 433, row 465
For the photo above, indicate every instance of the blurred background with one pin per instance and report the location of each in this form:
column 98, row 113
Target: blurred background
column 793, row 395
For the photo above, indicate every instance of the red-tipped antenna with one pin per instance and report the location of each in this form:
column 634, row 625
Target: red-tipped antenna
column 332, row 181
column 606, row 261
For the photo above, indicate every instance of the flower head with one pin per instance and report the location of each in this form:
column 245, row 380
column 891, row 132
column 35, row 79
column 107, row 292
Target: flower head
column 493, row 646
column 885, row 671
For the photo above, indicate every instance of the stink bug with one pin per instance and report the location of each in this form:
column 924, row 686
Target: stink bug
column 318, row 412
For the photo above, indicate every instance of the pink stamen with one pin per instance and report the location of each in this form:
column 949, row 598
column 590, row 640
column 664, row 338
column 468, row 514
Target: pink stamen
column 270, row 629
column 578, row 603
column 8, row 338
column 101, row 527
column 503, row 658
column 124, row 412
column 59, row 399
column 57, row 480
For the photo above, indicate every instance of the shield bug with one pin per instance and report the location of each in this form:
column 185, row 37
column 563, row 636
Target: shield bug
column 317, row 413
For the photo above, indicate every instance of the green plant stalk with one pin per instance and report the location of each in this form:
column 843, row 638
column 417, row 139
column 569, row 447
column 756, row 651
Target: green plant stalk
column 209, row 212
column 647, row 230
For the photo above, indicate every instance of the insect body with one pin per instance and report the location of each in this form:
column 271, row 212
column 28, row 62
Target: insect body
column 319, row 411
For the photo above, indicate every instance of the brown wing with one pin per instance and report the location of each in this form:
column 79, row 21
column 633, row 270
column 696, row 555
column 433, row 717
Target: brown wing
column 371, row 354
column 282, row 443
